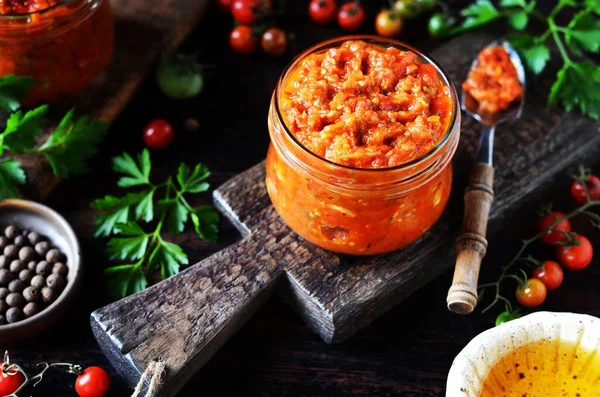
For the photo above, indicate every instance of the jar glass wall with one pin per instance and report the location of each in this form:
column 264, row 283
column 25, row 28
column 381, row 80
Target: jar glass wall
column 360, row 211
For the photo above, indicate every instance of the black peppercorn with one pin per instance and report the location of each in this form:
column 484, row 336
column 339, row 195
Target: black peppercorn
column 31, row 309
column 48, row 295
column 13, row 315
column 35, row 237
column 56, row 282
column 60, row 268
column 10, row 252
column 16, row 286
column 4, row 262
column 31, row 294
column 32, row 265
column 4, row 293
column 42, row 248
column 4, row 241
column 20, row 241
column 2, row 319
column 16, row 266
column 25, row 232
column 53, row 255
column 11, row 231
column 6, row 276
column 38, row 281
column 26, row 275
column 3, row 307
column 44, row 268
column 15, row 300
column 27, row 254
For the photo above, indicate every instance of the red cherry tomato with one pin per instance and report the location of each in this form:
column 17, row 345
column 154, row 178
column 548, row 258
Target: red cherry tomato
column 593, row 188
column 322, row 11
column 242, row 40
column 576, row 257
column 554, row 235
column 351, row 16
column 158, row 134
column 551, row 274
column 10, row 382
column 274, row 41
column 93, row 382
column 388, row 23
column 244, row 11
column 532, row 293
column 225, row 4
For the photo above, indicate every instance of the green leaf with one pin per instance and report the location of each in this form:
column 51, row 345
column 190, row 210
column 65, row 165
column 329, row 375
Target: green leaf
column 116, row 210
column 584, row 32
column 13, row 88
column 512, row 3
column 206, row 223
column 593, row 6
column 125, row 280
column 178, row 216
column 132, row 247
column 72, row 143
column 11, row 176
column 193, row 183
column 168, row 257
column 479, row 13
column 145, row 209
column 137, row 174
column 105, row 223
column 535, row 55
column 519, row 20
column 578, row 86
column 22, row 129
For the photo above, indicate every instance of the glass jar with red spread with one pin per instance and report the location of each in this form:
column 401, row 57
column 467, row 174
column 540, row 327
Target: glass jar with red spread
column 62, row 45
column 363, row 131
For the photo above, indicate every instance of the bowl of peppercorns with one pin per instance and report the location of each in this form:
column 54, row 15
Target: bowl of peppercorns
column 40, row 268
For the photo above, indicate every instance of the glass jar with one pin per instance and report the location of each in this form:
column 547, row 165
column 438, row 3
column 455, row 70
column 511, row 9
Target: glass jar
column 358, row 211
column 62, row 47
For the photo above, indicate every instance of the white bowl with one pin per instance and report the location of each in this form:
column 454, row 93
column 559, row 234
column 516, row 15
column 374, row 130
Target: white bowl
column 567, row 331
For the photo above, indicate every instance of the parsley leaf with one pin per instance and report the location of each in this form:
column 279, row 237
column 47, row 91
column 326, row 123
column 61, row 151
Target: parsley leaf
column 124, row 280
column 169, row 257
column 178, row 214
column 535, row 54
column 479, row 13
column 593, row 5
column 115, row 210
column 72, row 143
column 206, row 223
column 21, row 130
column 519, row 19
column 137, row 174
column 193, row 183
column 512, row 3
column 132, row 247
column 12, row 88
column 578, row 86
column 11, row 176
column 583, row 33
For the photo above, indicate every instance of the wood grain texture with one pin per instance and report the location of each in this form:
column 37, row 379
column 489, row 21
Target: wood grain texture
column 142, row 32
column 472, row 243
column 336, row 295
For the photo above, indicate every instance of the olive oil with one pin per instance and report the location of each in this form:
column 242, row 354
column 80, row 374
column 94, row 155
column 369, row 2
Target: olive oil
column 546, row 368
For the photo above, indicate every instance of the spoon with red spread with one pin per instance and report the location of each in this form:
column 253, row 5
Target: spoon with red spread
column 494, row 92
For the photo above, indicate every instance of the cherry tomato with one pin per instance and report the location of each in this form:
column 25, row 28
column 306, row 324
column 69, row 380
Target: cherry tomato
column 576, row 257
column 93, row 382
column 438, row 25
column 551, row 274
column 158, row 134
column 532, row 293
column 322, row 11
column 242, row 40
column 274, row 41
column 244, row 11
column 407, row 8
column 11, row 381
column 225, row 4
column 593, row 188
column 351, row 16
column 388, row 23
column 505, row 317
column 554, row 235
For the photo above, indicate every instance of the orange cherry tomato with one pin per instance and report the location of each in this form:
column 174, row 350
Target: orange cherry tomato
column 388, row 23
column 532, row 293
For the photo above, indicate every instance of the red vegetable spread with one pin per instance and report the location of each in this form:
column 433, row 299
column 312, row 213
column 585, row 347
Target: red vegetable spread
column 13, row 7
column 366, row 106
column 493, row 82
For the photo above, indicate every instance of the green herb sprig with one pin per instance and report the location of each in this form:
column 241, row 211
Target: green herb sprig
column 164, row 205
column 71, row 143
column 577, row 84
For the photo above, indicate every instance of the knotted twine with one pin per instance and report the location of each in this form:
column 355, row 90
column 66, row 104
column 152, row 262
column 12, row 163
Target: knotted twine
column 155, row 371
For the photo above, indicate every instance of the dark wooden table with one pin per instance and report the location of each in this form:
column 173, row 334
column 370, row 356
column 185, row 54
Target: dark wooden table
column 405, row 353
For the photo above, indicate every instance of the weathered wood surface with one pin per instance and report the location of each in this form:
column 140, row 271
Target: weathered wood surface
column 186, row 318
column 472, row 243
column 142, row 31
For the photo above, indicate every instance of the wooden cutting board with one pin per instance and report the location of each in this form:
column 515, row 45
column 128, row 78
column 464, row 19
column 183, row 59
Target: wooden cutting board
column 142, row 31
column 185, row 319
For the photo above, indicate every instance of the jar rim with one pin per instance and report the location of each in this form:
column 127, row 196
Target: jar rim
column 379, row 41
column 39, row 12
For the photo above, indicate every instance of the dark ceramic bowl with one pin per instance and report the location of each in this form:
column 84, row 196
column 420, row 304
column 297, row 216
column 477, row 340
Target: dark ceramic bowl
column 30, row 215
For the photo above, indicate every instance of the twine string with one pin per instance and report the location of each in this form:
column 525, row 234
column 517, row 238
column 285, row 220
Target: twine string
column 155, row 371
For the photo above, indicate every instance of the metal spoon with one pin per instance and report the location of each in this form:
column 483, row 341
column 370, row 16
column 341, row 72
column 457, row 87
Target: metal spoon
column 472, row 244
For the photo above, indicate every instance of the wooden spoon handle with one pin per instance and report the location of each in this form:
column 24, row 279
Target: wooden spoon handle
column 472, row 244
